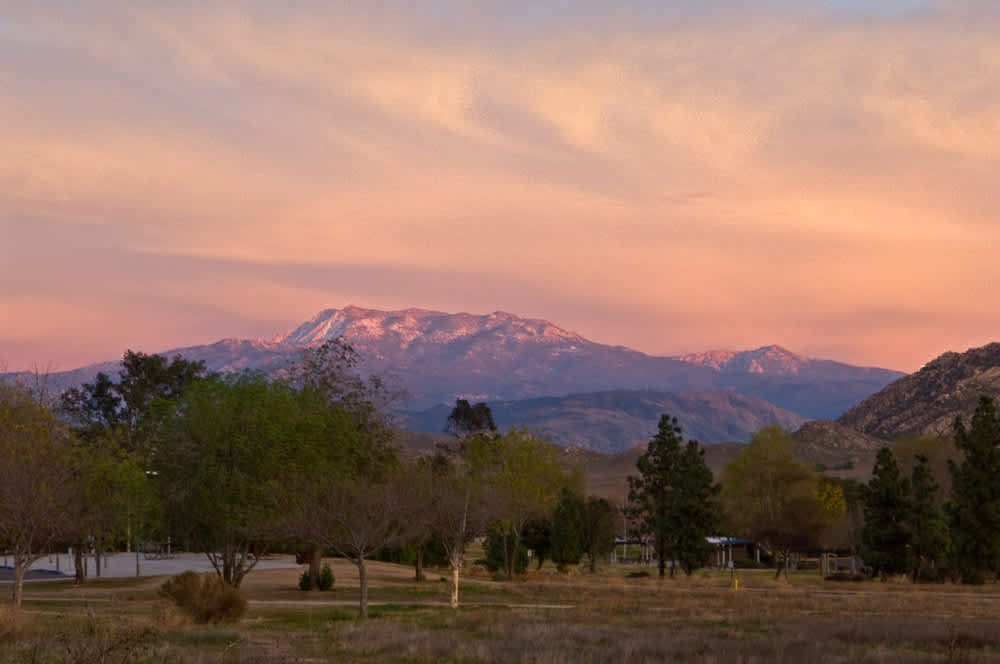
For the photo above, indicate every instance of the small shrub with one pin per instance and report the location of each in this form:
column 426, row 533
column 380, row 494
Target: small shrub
column 117, row 639
column 205, row 598
column 12, row 624
column 323, row 582
column 641, row 574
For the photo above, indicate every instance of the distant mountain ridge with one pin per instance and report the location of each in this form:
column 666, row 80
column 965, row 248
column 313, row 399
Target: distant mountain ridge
column 928, row 401
column 501, row 356
column 611, row 422
column 438, row 357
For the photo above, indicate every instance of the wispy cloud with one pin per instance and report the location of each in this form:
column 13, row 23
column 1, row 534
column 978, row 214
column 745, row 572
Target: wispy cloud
column 711, row 169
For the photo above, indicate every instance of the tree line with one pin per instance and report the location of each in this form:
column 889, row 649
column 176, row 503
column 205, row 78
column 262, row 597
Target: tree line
column 241, row 464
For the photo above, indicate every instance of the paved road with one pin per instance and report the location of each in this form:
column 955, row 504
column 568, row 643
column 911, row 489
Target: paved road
column 120, row 565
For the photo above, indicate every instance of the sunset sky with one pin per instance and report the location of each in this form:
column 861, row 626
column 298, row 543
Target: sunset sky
column 815, row 174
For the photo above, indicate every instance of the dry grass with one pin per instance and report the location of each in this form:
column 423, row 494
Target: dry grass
column 607, row 618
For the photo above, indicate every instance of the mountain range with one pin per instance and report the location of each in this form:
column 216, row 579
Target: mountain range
column 536, row 374
column 499, row 356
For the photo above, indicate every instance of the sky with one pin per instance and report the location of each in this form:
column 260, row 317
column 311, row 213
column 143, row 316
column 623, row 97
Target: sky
column 821, row 175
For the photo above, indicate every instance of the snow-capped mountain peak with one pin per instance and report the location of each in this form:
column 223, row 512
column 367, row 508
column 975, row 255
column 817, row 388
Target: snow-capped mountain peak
column 409, row 326
column 773, row 360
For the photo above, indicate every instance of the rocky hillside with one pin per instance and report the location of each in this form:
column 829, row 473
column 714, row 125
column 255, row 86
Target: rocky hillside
column 836, row 447
column 929, row 400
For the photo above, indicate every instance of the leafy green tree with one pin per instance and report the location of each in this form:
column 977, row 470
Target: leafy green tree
column 650, row 491
column 567, row 530
column 975, row 505
column 597, row 535
column 692, row 512
column 886, row 535
column 38, row 481
column 345, row 433
column 119, row 500
column 846, row 512
column 145, row 378
column 223, row 452
column 772, row 497
column 95, row 408
column 92, row 408
column 930, row 540
column 525, row 480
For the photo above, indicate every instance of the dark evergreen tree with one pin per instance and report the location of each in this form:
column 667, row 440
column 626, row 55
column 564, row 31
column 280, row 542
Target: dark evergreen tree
column 498, row 548
column 567, row 530
column 929, row 538
column 597, row 535
column 650, row 491
column 470, row 420
column 692, row 514
column 537, row 537
column 975, row 505
column 886, row 537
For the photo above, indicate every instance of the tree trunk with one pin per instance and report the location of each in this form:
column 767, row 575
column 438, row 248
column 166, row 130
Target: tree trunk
column 314, row 567
column 662, row 545
column 454, row 587
column 227, row 564
column 18, row 585
column 363, row 577
column 78, row 564
column 516, row 546
column 508, row 569
column 419, row 563
column 97, row 557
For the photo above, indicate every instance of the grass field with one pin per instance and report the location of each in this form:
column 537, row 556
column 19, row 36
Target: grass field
column 544, row 617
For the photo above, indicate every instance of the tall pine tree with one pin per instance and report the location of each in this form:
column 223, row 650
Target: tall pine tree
column 975, row 507
column 886, row 537
column 929, row 538
column 649, row 491
column 672, row 498
column 692, row 513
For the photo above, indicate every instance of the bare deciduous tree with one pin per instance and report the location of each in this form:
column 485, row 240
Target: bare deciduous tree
column 357, row 519
column 458, row 512
column 37, row 481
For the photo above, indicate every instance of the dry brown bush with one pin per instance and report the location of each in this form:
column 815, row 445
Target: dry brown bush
column 205, row 598
column 13, row 624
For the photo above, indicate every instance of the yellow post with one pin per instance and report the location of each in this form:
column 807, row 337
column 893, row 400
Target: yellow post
column 736, row 583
